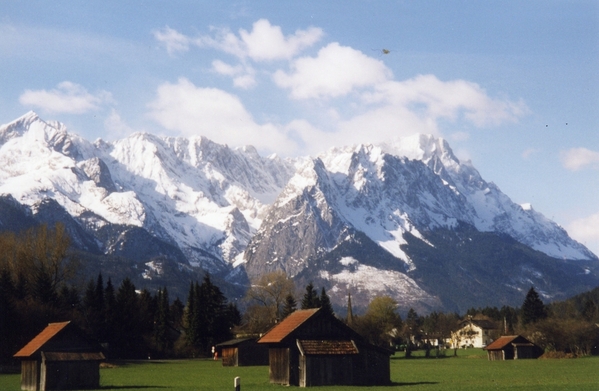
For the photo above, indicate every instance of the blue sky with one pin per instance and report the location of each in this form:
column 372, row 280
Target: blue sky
column 512, row 85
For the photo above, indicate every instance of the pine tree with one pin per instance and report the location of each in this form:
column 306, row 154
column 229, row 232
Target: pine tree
column 325, row 302
column 8, row 315
column 533, row 308
column 110, row 315
column 177, row 312
column 213, row 317
column 128, row 333
column 93, row 308
column 191, row 316
column 310, row 299
column 290, row 305
column 161, row 322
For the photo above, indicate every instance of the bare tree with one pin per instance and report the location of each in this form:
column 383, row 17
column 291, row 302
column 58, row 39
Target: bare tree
column 270, row 291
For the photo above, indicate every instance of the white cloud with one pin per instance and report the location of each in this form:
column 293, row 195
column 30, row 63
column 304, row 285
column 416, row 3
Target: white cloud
column 433, row 98
column 68, row 98
column 264, row 42
column 189, row 111
column 172, row 40
column 243, row 75
column 350, row 94
column 577, row 158
column 586, row 231
column 336, row 71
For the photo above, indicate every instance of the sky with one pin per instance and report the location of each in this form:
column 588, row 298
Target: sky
column 513, row 86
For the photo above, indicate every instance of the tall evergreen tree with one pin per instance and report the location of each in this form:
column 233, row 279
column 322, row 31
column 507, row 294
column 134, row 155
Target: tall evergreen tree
column 8, row 315
column 177, row 312
column 533, row 308
column 289, row 306
column 110, row 314
column 310, row 299
column 325, row 302
column 162, row 320
column 192, row 316
column 128, row 330
column 215, row 327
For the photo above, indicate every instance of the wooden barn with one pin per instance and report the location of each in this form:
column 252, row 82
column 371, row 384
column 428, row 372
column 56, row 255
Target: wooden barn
column 314, row 348
column 512, row 347
column 60, row 358
column 242, row 352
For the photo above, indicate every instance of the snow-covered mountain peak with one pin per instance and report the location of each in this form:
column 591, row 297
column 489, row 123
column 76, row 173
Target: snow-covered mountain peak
column 220, row 207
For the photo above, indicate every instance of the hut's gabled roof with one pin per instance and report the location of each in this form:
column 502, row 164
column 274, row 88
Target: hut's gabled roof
column 234, row 342
column 287, row 325
column 504, row 341
column 41, row 339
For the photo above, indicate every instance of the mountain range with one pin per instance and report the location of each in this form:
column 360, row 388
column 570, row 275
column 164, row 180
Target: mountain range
column 406, row 219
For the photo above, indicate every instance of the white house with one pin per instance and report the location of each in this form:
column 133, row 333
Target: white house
column 476, row 333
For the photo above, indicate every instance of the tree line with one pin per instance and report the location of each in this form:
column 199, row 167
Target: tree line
column 36, row 270
column 36, row 288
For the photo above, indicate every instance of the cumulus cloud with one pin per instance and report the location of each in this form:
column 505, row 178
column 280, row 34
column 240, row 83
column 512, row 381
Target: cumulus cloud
column 434, row 98
column 336, row 71
column 264, row 42
column 189, row 111
column 243, row 75
column 173, row 40
column 351, row 96
column 68, row 98
column 577, row 158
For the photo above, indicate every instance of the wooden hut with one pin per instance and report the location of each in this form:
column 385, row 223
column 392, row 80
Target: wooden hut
column 243, row 352
column 314, row 348
column 512, row 347
column 60, row 358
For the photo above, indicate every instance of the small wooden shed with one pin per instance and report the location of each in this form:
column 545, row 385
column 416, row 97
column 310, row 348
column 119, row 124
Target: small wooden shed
column 314, row 348
column 60, row 358
column 512, row 347
column 243, row 352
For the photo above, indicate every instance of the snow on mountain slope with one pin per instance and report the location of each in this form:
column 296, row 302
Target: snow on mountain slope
column 493, row 210
column 201, row 196
column 234, row 212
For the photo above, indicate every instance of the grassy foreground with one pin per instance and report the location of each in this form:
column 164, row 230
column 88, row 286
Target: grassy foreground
column 469, row 371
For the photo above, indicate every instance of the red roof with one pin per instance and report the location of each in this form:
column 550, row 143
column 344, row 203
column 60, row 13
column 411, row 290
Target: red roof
column 502, row 342
column 41, row 339
column 287, row 325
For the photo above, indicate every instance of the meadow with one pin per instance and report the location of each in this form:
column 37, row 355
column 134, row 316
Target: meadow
column 469, row 371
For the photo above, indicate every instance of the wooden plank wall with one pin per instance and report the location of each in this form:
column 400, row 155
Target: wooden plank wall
column 230, row 356
column 279, row 365
column 30, row 375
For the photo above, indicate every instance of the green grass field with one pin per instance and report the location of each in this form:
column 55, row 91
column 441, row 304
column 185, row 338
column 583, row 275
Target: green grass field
column 469, row 371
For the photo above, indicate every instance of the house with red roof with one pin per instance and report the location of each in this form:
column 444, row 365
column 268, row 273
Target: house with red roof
column 512, row 347
column 314, row 348
column 60, row 357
